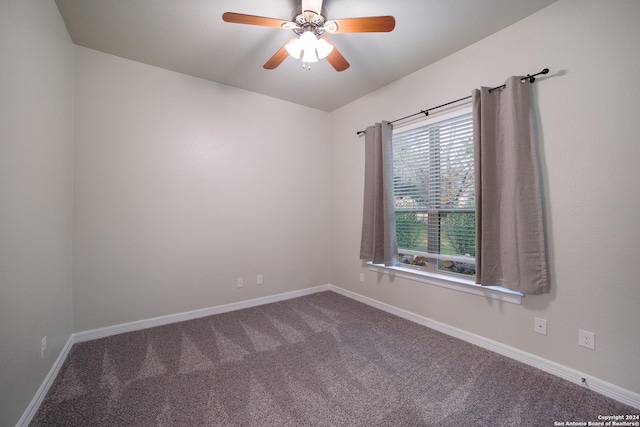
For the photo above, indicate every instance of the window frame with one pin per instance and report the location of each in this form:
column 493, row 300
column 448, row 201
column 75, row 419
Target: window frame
column 431, row 274
column 434, row 259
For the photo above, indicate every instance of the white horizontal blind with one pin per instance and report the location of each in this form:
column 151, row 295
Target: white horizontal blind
column 434, row 193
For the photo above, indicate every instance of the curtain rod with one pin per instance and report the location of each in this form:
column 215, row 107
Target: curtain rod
column 530, row 77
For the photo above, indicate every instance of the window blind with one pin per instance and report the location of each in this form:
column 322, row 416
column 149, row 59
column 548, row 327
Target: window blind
column 434, row 188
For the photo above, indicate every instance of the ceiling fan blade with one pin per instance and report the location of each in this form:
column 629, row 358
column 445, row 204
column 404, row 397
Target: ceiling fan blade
column 241, row 18
column 335, row 58
column 370, row 24
column 278, row 57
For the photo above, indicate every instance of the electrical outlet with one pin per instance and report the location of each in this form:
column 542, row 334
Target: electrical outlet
column 259, row 279
column 361, row 277
column 240, row 282
column 540, row 326
column 587, row 339
column 43, row 347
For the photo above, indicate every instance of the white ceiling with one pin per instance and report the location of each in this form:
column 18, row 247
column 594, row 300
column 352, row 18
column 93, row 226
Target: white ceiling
column 190, row 37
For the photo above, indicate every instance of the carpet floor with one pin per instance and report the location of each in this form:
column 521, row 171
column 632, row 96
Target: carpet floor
column 318, row 360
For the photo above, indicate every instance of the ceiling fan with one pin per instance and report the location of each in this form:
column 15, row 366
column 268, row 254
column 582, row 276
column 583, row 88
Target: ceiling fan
column 309, row 23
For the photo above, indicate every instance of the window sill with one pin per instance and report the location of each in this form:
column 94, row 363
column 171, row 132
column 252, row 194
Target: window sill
column 449, row 282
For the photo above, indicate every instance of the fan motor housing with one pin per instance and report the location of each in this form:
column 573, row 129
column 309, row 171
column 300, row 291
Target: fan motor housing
column 308, row 21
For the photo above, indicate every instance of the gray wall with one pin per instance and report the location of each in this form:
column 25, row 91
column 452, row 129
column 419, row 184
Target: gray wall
column 183, row 185
column 36, row 169
column 588, row 110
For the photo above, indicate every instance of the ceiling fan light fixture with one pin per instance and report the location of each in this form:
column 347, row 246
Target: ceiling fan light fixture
column 308, row 40
column 308, row 48
column 323, row 48
column 309, row 56
column 294, row 48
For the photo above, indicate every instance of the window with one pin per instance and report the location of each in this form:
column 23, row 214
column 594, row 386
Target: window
column 434, row 194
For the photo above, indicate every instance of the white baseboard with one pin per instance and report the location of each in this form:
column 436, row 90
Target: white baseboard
column 31, row 410
column 189, row 315
column 605, row 388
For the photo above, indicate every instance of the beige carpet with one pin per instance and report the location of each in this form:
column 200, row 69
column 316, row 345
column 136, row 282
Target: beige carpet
column 319, row 360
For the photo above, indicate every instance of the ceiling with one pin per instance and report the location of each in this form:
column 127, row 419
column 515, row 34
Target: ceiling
column 190, row 37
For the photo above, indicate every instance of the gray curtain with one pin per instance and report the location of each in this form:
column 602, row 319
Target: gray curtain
column 510, row 242
column 378, row 243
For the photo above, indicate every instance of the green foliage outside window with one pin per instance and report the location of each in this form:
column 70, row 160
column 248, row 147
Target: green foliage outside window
column 410, row 232
column 458, row 233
